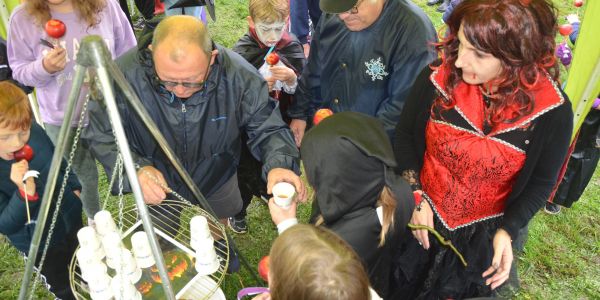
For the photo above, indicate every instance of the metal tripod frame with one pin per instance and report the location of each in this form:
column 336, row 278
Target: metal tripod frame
column 93, row 53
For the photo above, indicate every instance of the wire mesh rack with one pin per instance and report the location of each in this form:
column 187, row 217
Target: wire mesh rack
column 171, row 220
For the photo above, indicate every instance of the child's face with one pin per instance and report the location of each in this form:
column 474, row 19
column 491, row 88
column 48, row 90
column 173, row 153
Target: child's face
column 269, row 33
column 12, row 140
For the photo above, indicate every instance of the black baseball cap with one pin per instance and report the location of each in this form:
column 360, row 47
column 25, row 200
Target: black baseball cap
column 337, row 6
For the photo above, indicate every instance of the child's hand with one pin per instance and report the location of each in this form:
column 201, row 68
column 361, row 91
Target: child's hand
column 283, row 74
column 55, row 60
column 17, row 171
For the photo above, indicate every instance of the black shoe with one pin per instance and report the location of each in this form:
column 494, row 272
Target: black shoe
column 237, row 225
column 442, row 8
column 433, row 2
column 234, row 261
column 552, row 208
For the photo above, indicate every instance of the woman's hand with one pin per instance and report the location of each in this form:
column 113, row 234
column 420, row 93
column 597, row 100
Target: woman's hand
column 502, row 260
column 55, row 60
column 424, row 216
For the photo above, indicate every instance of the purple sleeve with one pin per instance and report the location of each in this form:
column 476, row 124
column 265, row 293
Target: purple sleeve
column 22, row 38
column 124, row 36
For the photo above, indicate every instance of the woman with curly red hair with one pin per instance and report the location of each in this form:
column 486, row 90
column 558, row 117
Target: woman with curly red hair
column 482, row 137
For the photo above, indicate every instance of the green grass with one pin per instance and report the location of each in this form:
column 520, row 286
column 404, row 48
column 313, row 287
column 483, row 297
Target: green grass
column 561, row 259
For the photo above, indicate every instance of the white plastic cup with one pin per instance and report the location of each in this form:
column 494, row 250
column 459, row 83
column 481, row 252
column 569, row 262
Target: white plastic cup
column 86, row 257
column 87, row 238
column 141, row 250
column 111, row 241
column 206, row 259
column 123, row 289
column 100, row 286
column 89, row 271
column 104, row 223
column 283, row 194
column 199, row 232
column 125, row 264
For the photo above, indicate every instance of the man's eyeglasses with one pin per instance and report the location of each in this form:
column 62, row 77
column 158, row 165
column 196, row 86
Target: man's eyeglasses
column 189, row 85
column 354, row 9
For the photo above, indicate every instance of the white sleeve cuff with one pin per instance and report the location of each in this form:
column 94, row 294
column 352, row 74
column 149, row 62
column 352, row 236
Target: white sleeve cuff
column 290, row 89
column 285, row 224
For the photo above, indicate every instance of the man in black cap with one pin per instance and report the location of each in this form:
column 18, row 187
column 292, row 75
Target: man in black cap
column 364, row 57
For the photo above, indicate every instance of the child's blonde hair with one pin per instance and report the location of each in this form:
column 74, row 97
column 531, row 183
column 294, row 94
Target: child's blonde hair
column 87, row 10
column 269, row 10
column 308, row 262
column 15, row 112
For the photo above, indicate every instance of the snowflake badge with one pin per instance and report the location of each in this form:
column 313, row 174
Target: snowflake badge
column 376, row 69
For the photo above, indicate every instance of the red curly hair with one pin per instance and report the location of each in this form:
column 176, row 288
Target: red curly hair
column 520, row 33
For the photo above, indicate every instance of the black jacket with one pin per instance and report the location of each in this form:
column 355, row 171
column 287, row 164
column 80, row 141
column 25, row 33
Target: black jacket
column 205, row 130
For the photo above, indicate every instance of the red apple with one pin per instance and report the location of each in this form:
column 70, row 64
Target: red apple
column 263, row 268
column 565, row 29
column 578, row 3
column 55, row 28
column 321, row 114
column 272, row 59
column 24, row 153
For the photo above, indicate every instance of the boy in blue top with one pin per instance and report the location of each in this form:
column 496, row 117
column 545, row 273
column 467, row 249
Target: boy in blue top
column 16, row 131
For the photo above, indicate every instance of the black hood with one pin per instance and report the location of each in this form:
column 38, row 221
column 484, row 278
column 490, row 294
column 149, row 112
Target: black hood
column 348, row 160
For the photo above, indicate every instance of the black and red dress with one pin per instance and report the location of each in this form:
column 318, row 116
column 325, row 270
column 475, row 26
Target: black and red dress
column 476, row 178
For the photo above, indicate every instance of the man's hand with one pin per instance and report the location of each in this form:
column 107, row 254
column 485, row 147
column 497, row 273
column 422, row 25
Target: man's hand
column 17, row 171
column 424, row 216
column 284, row 175
column 154, row 192
column 502, row 260
column 279, row 214
column 298, row 127
column 55, row 60
column 283, row 74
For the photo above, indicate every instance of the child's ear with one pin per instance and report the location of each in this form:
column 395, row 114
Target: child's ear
column 250, row 21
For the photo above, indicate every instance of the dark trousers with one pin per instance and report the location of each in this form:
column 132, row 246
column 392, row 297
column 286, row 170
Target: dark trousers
column 146, row 8
column 56, row 264
column 300, row 11
column 249, row 175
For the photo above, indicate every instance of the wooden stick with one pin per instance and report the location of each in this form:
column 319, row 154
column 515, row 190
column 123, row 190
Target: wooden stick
column 441, row 239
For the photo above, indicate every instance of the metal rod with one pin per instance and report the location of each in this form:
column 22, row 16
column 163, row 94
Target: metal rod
column 57, row 159
column 99, row 55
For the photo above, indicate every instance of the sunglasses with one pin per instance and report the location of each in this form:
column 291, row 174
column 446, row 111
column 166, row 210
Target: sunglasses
column 185, row 84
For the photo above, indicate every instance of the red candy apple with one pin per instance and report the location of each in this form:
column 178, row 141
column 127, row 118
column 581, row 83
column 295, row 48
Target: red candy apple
column 321, row 114
column 24, row 153
column 565, row 29
column 55, row 28
column 263, row 268
column 578, row 3
column 272, row 59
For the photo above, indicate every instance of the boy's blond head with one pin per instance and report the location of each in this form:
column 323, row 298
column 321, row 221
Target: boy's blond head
column 269, row 10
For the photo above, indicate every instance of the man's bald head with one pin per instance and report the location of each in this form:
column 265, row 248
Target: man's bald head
column 180, row 31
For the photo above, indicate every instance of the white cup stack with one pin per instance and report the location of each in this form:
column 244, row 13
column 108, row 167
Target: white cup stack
column 199, row 232
column 100, row 286
column 89, row 263
column 88, row 240
column 123, row 289
column 283, row 194
column 104, row 223
column 89, row 271
column 202, row 241
column 124, row 263
column 206, row 259
column 141, row 250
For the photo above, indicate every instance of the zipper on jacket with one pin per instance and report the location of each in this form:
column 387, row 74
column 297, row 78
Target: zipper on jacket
column 183, row 111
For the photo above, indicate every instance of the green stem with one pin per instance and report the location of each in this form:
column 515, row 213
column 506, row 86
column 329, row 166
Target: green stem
column 440, row 239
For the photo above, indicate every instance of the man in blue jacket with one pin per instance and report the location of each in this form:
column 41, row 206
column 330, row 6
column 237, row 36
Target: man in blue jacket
column 364, row 57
